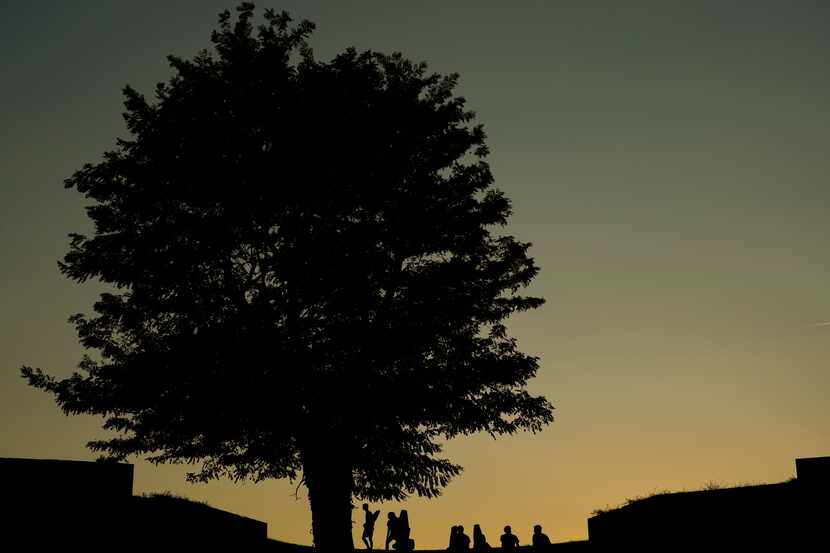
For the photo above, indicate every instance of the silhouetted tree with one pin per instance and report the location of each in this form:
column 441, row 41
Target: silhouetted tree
column 305, row 278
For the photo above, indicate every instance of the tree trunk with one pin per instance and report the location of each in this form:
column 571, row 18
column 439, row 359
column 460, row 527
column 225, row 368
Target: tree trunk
column 328, row 477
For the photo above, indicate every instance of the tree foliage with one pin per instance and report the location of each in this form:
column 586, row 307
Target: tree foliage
column 304, row 270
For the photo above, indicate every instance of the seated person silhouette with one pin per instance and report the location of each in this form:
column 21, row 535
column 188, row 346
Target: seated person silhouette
column 540, row 540
column 462, row 540
column 369, row 526
column 479, row 540
column 509, row 540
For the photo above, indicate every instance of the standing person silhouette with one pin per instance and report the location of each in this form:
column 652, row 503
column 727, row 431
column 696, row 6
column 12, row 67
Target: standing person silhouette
column 479, row 540
column 402, row 540
column 453, row 545
column 369, row 526
column 391, row 529
column 509, row 541
column 540, row 540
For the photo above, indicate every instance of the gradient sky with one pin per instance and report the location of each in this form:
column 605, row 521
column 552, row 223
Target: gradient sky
column 668, row 160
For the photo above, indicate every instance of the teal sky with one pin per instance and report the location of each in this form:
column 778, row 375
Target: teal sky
column 668, row 160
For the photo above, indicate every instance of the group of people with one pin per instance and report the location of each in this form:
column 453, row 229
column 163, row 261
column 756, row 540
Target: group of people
column 459, row 541
column 397, row 530
column 398, row 535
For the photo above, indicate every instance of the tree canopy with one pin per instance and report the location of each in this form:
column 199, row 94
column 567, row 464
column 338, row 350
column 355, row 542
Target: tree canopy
column 306, row 274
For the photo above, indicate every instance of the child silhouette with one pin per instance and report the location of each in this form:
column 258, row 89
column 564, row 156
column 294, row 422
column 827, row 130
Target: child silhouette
column 369, row 526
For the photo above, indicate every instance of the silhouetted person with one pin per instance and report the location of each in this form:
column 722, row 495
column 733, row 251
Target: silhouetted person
column 369, row 526
column 509, row 541
column 459, row 541
column 479, row 540
column 463, row 540
column 540, row 540
column 391, row 528
column 453, row 545
column 402, row 540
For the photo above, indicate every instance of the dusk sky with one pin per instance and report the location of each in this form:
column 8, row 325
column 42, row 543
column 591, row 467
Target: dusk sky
column 667, row 159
